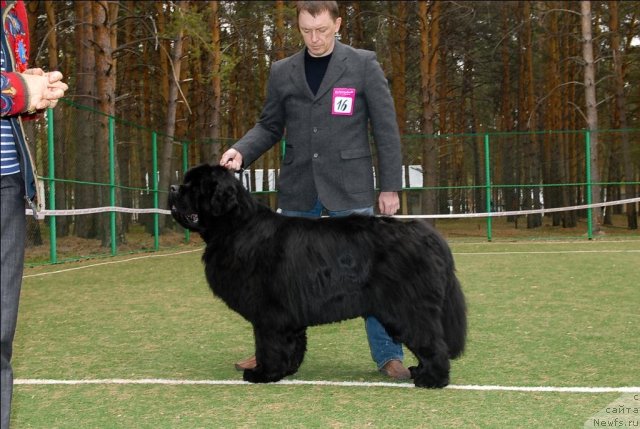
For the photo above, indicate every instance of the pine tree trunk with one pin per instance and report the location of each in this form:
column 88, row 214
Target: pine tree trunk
column 166, row 157
column 591, row 107
column 85, row 196
column 429, row 16
column 104, row 18
column 620, row 107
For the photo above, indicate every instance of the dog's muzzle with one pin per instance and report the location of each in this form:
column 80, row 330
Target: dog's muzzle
column 187, row 220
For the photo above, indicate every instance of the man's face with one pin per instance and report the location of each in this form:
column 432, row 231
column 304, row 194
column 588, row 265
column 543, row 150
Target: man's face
column 318, row 32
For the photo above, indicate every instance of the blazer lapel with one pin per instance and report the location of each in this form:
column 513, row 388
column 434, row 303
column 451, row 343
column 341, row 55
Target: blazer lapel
column 297, row 74
column 337, row 66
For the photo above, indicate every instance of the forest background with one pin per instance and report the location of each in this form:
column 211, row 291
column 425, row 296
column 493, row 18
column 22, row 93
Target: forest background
column 196, row 71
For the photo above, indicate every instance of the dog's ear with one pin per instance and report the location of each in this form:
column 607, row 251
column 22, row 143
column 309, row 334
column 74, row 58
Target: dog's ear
column 224, row 194
column 223, row 201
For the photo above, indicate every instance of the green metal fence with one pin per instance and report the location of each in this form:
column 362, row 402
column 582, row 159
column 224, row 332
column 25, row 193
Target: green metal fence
column 492, row 142
column 489, row 166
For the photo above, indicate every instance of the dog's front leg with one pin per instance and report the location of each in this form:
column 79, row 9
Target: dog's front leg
column 279, row 353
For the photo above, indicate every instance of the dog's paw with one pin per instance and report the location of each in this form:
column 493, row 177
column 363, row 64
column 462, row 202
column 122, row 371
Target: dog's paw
column 253, row 376
column 257, row 376
column 428, row 377
column 428, row 381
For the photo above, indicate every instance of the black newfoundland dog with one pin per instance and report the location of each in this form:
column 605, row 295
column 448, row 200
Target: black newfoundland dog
column 284, row 274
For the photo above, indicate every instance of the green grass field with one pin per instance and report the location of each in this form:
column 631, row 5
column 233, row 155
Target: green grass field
column 540, row 314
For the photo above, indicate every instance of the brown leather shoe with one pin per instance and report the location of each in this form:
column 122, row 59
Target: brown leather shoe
column 248, row 363
column 395, row 370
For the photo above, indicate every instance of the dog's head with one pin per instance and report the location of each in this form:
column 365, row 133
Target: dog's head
column 207, row 192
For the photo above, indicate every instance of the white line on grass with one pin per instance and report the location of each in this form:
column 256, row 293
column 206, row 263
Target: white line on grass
column 120, row 261
column 173, row 382
column 543, row 252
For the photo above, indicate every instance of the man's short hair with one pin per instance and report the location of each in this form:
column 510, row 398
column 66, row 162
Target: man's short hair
column 316, row 7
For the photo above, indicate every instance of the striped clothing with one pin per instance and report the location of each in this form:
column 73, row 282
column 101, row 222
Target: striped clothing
column 9, row 155
column 9, row 163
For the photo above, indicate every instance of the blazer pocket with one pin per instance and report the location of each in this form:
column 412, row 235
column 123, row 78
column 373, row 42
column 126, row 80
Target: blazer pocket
column 288, row 154
column 355, row 153
column 357, row 170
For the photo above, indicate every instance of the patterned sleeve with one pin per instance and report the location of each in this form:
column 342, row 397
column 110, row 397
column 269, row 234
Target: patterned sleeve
column 14, row 94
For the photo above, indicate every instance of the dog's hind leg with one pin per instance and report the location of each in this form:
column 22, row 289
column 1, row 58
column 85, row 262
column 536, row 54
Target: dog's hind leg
column 433, row 367
column 278, row 354
column 421, row 331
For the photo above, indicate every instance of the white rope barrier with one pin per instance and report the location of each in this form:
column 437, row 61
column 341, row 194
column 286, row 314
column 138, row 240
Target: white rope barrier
column 74, row 212
column 93, row 210
column 521, row 212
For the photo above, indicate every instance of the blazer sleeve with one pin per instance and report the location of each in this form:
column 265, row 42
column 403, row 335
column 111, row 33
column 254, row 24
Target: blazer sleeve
column 270, row 127
column 382, row 116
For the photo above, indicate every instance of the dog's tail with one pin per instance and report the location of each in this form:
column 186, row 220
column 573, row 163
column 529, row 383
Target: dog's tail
column 454, row 317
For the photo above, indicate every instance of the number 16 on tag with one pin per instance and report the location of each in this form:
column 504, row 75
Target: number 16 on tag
column 343, row 101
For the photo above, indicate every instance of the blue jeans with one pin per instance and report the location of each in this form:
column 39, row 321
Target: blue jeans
column 383, row 348
column 13, row 232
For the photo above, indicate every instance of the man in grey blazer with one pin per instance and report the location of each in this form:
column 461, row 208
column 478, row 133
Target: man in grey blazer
column 323, row 100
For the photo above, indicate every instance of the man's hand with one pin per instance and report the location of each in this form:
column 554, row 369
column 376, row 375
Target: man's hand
column 388, row 203
column 231, row 159
column 44, row 88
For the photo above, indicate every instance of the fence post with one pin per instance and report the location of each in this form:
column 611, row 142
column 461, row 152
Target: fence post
column 154, row 184
column 185, row 165
column 112, row 185
column 53, row 252
column 487, row 171
column 587, row 143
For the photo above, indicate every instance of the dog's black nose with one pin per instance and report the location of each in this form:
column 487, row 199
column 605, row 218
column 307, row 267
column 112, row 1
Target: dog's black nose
column 173, row 188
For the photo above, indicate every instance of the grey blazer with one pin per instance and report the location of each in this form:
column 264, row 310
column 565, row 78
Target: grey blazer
column 327, row 153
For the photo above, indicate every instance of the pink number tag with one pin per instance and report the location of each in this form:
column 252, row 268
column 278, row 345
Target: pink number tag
column 343, row 101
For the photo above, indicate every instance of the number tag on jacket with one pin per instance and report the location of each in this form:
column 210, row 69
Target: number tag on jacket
column 343, row 101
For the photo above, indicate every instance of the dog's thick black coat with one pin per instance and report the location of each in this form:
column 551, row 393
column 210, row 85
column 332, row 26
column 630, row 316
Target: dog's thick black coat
column 284, row 274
